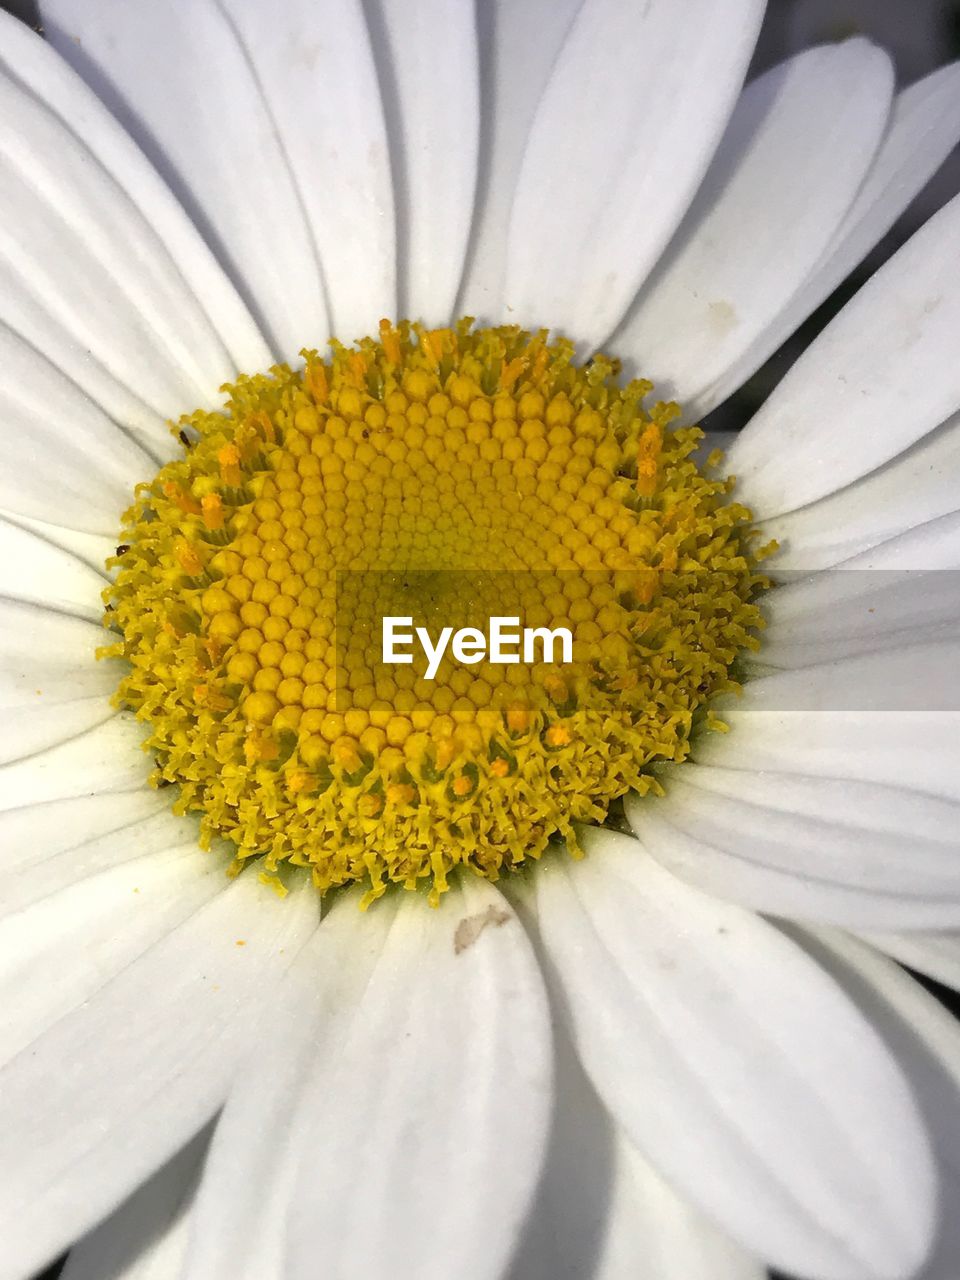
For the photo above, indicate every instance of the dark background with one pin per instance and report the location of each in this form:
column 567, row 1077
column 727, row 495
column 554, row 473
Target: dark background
column 921, row 35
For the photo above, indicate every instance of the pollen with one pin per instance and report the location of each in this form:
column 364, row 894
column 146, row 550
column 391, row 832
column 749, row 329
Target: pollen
column 447, row 476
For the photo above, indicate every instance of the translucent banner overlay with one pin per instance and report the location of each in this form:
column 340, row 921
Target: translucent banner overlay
column 836, row 641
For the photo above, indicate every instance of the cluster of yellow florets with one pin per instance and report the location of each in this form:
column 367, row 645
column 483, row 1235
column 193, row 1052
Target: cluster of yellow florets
column 446, row 475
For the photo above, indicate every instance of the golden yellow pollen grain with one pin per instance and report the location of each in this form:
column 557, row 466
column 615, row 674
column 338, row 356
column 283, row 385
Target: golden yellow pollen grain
column 450, row 475
column 558, row 735
column 212, row 509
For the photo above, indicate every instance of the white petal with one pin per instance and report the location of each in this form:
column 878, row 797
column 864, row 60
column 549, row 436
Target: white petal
column 931, row 546
column 34, row 64
column 43, row 653
column 935, row 954
column 638, row 99
column 48, row 847
column 673, row 1239
column 240, row 1220
column 924, row 129
column 518, row 46
column 92, row 549
column 181, row 81
column 575, row 1213
column 51, row 686
column 601, row 1207
column 113, row 1088
column 107, row 757
column 36, row 571
column 835, row 720
column 877, row 379
column 102, row 921
column 146, row 1238
column 320, row 84
column 915, row 750
column 925, row 1039
column 432, row 109
column 785, row 1119
column 905, row 591
column 915, row 488
column 823, row 849
column 908, row 676
column 928, row 547
column 64, row 458
column 87, row 280
column 409, row 1069
column 786, row 171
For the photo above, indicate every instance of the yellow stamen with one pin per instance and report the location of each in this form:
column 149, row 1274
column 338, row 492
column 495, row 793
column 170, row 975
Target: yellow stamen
column 229, row 459
column 187, row 558
column 212, row 509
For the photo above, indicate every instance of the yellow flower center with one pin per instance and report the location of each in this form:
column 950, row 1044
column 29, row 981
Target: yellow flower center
column 448, row 479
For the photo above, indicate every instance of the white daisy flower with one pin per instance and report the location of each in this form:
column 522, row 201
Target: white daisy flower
column 677, row 1047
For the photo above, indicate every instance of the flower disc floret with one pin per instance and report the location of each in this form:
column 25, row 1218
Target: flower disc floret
column 451, row 476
